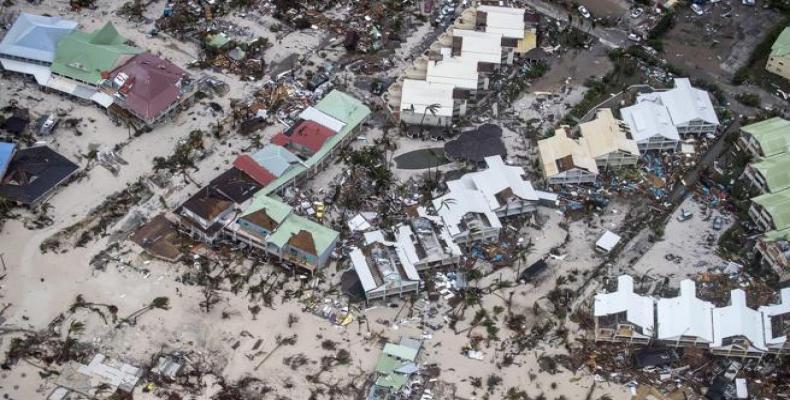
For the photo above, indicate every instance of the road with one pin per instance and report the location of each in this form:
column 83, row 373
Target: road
column 609, row 37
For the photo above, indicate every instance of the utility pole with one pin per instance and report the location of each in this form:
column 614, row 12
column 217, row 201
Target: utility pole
column 2, row 261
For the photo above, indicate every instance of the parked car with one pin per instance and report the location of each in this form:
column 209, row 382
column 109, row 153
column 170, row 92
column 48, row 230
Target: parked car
column 717, row 223
column 685, row 215
column 634, row 37
column 697, row 9
column 584, row 12
column 637, row 12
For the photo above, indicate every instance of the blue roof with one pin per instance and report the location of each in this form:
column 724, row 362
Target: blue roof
column 6, row 154
column 275, row 159
column 35, row 37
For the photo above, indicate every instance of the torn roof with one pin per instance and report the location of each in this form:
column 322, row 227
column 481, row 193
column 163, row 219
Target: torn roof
column 275, row 159
column 456, row 204
column 605, row 134
column 639, row 309
column 305, row 133
column 737, row 320
column 646, row 120
column 559, row 150
column 684, row 102
column 685, row 315
column 35, row 37
column 493, row 180
column 33, row 173
column 780, row 313
column 322, row 237
column 150, row 85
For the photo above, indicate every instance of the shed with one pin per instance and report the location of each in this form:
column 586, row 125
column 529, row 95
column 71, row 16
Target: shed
column 607, row 242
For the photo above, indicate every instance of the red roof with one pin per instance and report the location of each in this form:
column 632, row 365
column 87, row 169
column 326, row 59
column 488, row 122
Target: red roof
column 255, row 171
column 309, row 134
column 153, row 85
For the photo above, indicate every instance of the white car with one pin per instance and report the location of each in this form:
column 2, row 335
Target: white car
column 697, row 9
column 584, row 12
column 637, row 12
column 634, row 37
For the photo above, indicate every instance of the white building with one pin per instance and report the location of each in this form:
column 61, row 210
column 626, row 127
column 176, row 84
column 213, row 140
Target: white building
column 427, row 243
column 484, row 47
column 503, row 187
column 429, row 103
column 467, row 216
column 460, row 72
column 685, row 320
column 383, row 267
column 624, row 316
column 738, row 329
column 690, row 108
column 776, row 324
column 651, row 127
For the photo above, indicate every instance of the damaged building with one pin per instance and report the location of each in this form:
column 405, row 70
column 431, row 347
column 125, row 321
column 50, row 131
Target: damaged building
column 624, row 316
column 383, row 268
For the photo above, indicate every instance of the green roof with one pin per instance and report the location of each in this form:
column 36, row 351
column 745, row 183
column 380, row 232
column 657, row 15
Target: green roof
column 274, row 209
column 781, row 46
column 400, row 351
column 217, row 40
column 772, row 135
column 344, row 108
column 394, row 381
column 85, row 55
column 777, row 205
column 773, row 236
column 387, row 364
column 322, row 236
column 775, row 170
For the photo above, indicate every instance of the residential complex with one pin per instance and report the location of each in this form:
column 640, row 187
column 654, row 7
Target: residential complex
column 733, row 330
column 779, row 59
column 689, row 108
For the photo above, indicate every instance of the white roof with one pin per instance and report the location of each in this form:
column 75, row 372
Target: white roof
column 509, row 22
column 638, row 309
column 737, row 320
column 459, row 202
column 40, row 72
column 417, row 95
column 313, row 114
column 482, row 46
column 685, row 315
column 608, row 240
column 768, row 312
column 358, row 223
column 648, row 119
column 684, row 103
column 362, row 269
column 494, row 179
column 457, row 71
column 102, row 99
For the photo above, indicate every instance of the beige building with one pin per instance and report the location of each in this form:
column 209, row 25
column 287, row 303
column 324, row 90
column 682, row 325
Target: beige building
column 602, row 143
column 779, row 60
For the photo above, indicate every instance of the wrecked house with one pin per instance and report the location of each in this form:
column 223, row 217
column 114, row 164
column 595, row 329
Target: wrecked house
column 205, row 214
column 766, row 138
column 776, row 324
column 148, row 88
column 737, row 329
column 774, row 250
column 33, row 174
column 690, row 109
column 271, row 226
column 685, row 320
column 651, row 127
column 427, row 243
column 395, row 366
column 603, row 143
column 473, row 205
column 101, row 378
column 624, row 316
column 383, row 268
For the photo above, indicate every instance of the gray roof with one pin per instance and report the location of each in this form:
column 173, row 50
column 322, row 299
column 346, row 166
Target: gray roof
column 35, row 37
column 275, row 159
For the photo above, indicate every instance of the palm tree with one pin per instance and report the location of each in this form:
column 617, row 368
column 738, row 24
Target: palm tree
column 76, row 327
column 446, row 203
column 162, row 303
column 432, row 108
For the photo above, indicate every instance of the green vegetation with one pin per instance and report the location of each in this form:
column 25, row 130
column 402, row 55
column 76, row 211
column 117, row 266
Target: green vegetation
column 748, row 99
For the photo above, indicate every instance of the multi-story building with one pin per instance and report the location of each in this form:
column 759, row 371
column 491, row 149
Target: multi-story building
column 624, row 316
column 690, row 109
column 766, row 138
column 685, row 320
column 776, row 324
column 779, row 59
column 771, row 211
column 652, row 128
column 738, row 329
